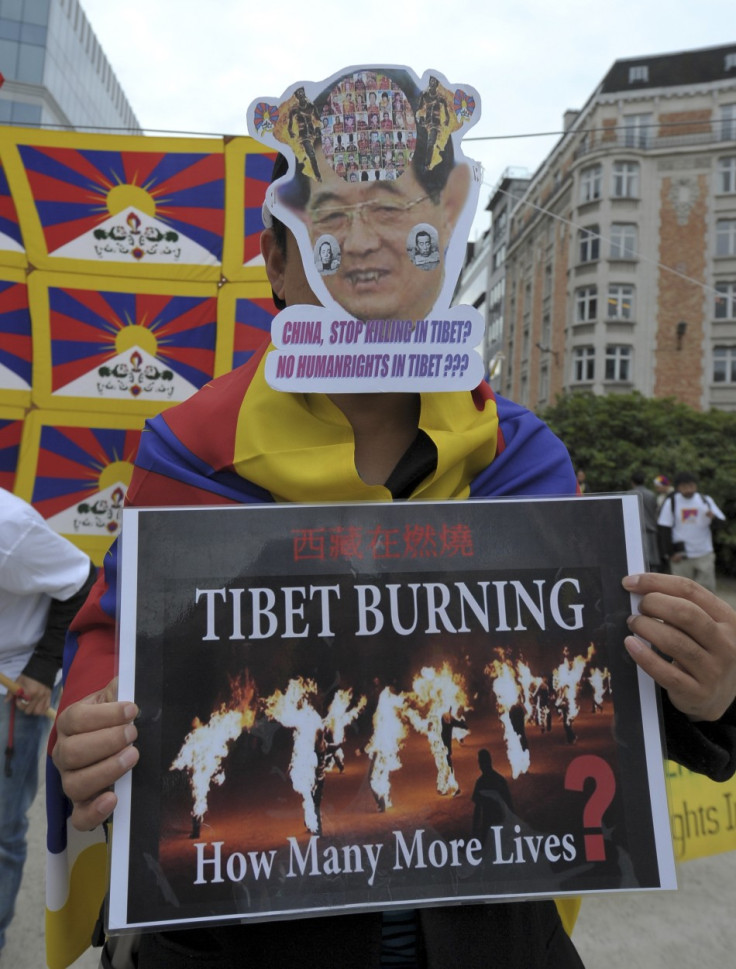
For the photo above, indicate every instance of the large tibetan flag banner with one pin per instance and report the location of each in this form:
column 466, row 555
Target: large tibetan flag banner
column 130, row 276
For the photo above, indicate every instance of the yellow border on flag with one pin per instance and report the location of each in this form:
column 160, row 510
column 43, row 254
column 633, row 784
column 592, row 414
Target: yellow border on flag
column 14, row 415
column 21, row 398
column 229, row 294
column 39, row 284
column 233, row 268
column 11, row 257
column 30, row 223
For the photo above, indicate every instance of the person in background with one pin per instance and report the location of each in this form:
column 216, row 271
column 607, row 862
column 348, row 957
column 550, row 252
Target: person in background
column 649, row 521
column 663, row 488
column 44, row 580
column 686, row 519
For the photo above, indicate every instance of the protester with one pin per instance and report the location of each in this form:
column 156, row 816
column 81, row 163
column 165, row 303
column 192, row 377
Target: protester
column 663, row 488
column 241, row 441
column 649, row 508
column 686, row 518
column 44, row 580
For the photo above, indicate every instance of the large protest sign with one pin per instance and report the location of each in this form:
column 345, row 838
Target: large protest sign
column 376, row 705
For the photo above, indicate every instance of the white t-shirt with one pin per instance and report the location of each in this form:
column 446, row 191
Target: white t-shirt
column 36, row 565
column 688, row 518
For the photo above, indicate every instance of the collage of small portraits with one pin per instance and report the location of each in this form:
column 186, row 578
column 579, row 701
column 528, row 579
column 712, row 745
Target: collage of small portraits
column 368, row 128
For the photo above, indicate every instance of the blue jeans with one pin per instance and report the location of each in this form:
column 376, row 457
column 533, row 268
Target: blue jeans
column 16, row 796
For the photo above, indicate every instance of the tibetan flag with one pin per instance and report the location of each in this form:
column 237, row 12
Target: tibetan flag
column 75, row 472
column 139, row 206
column 117, row 345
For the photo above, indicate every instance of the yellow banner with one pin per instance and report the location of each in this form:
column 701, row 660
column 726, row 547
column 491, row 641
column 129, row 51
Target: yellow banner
column 702, row 813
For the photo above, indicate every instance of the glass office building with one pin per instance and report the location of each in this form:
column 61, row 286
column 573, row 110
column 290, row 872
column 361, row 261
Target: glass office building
column 55, row 71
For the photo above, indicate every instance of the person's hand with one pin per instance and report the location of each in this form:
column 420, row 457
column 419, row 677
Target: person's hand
column 697, row 630
column 677, row 556
column 36, row 696
column 93, row 750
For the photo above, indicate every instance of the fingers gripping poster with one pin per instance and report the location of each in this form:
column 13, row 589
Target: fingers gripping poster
column 366, row 706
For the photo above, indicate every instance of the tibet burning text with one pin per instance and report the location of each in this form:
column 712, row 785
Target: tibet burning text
column 302, row 611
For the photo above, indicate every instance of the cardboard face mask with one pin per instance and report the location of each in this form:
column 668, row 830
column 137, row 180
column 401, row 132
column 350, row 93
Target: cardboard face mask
column 380, row 199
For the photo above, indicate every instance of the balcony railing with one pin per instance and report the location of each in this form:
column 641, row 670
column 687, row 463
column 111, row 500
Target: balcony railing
column 659, row 137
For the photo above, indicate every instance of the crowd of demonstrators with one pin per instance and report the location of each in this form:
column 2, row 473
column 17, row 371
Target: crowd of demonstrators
column 375, row 447
column 44, row 580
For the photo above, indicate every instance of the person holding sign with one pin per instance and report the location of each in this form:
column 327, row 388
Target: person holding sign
column 241, row 441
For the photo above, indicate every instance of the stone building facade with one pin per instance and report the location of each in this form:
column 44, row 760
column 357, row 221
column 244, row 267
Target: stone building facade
column 620, row 268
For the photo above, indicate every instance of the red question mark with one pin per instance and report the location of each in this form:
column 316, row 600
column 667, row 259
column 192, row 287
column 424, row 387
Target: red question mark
column 578, row 771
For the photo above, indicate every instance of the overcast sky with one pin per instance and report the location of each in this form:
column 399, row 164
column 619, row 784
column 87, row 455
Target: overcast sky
column 195, row 65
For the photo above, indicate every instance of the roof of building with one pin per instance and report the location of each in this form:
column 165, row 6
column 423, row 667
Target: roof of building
column 672, row 70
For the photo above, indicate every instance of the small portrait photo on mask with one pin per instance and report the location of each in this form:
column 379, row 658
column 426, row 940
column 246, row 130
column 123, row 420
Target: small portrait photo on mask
column 327, row 255
column 422, row 245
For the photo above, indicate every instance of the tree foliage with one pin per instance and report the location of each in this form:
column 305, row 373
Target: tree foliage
column 611, row 437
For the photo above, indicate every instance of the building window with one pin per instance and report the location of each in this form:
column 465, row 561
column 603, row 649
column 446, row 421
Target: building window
column 583, row 364
column 729, row 62
column 620, row 302
column 624, row 241
column 726, row 237
column 728, row 122
column 590, row 184
column 524, row 390
column 500, row 220
column 626, row 180
column 543, row 383
column 618, row 362
column 25, row 114
column 589, row 244
column 497, row 292
column 724, row 365
column 495, row 329
column 638, row 130
column 725, row 308
column 586, row 304
column 499, row 256
column 727, row 174
column 35, row 11
column 638, row 73
column 546, row 333
column 548, row 280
